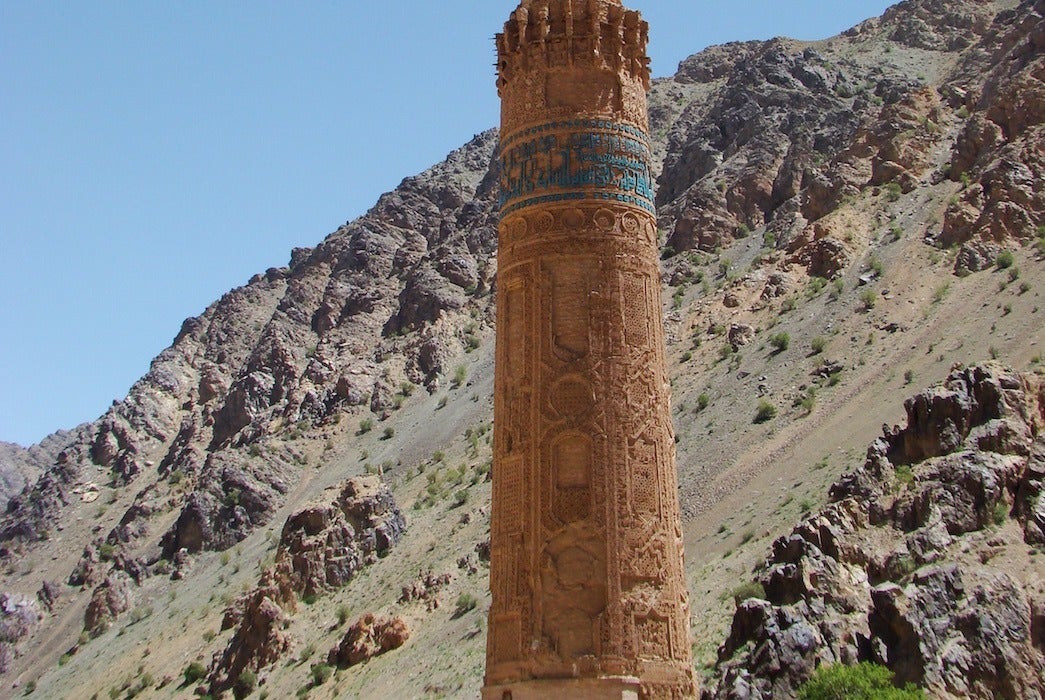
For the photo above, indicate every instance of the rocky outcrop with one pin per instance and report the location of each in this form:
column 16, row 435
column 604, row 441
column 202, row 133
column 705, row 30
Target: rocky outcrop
column 259, row 618
column 19, row 616
column 321, row 548
column 236, row 495
column 367, row 637
column 998, row 153
column 920, row 562
column 425, row 589
column 20, row 466
column 326, row 544
column 109, row 600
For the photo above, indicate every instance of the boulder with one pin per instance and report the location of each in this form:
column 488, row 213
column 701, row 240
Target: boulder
column 367, row 637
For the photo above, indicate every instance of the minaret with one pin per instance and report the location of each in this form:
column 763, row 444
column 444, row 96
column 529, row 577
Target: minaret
column 589, row 597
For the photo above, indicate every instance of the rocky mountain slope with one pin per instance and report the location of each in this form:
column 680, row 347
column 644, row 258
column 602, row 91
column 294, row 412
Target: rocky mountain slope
column 840, row 219
column 20, row 465
column 926, row 559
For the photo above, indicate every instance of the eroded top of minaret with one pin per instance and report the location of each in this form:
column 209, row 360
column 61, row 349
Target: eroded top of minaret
column 562, row 34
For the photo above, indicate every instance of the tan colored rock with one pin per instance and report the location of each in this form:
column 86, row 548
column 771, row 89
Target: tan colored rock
column 369, row 636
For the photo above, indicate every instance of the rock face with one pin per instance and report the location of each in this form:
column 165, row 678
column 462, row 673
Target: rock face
column 110, row 600
column 321, row 549
column 326, row 544
column 927, row 560
column 367, row 637
column 19, row 616
column 260, row 640
column 20, row 466
column 998, row 154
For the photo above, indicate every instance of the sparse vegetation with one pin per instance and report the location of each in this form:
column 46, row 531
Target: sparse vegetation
column 388, row 433
column 460, row 374
column 905, row 475
column 817, row 344
column 1004, row 260
column 245, row 684
column 780, row 341
column 194, row 672
column 765, row 412
column 366, row 425
column 751, row 589
column 465, row 603
column 875, row 265
column 321, row 673
column 868, row 298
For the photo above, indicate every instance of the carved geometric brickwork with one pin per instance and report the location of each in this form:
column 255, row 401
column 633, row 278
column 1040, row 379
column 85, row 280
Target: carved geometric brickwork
column 586, row 547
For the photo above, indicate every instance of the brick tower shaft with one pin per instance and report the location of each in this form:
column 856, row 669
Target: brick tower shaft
column 589, row 597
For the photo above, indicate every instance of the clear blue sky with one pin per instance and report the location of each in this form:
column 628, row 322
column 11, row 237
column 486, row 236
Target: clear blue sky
column 155, row 154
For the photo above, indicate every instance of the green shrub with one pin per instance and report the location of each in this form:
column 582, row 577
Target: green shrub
column 321, row 673
column 703, row 400
column 388, row 433
column 366, row 425
column 245, row 684
column 751, row 589
column 905, row 475
column 460, row 374
column 194, row 672
column 765, row 412
column 868, row 298
column 815, row 286
column 892, row 191
column 465, row 603
column 1005, row 259
column 780, row 341
column 837, row 287
column 865, row 681
column 818, row 344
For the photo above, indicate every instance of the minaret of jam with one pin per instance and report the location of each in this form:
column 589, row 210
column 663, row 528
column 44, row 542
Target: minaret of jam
column 589, row 597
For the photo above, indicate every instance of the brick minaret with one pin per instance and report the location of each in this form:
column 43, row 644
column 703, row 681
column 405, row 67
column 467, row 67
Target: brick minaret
column 589, row 597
